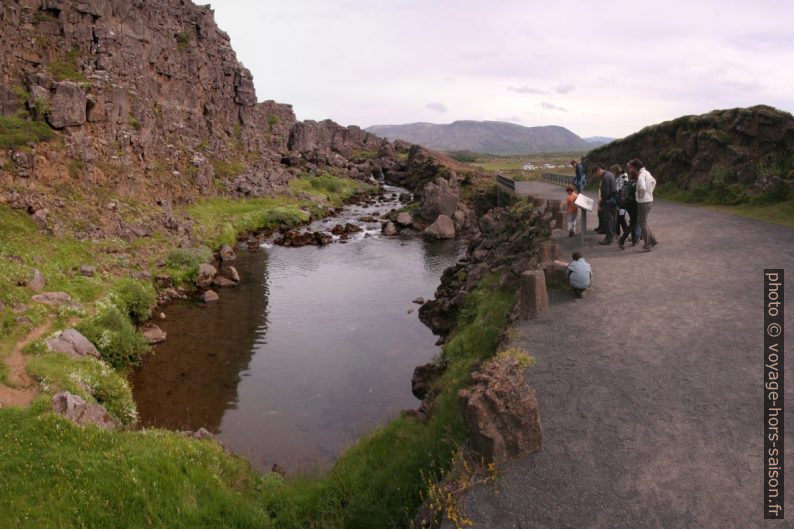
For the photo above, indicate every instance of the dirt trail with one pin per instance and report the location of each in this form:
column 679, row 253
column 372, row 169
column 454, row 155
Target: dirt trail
column 21, row 388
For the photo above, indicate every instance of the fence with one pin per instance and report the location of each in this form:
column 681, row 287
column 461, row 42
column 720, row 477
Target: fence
column 559, row 179
column 508, row 182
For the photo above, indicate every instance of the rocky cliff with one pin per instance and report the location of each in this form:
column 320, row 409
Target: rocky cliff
column 146, row 99
column 494, row 137
column 752, row 148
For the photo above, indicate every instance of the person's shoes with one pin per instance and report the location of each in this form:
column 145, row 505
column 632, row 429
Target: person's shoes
column 646, row 248
column 634, row 242
column 620, row 244
column 604, row 242
column 570, row 233
column 653, row 244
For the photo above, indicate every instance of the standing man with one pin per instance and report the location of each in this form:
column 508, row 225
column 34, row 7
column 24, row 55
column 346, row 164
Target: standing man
column 645, row 186
column 609, row 202
column 579, row 181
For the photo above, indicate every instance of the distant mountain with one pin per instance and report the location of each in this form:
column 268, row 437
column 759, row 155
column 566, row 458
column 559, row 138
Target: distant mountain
column 596, row 141
column 493, row 137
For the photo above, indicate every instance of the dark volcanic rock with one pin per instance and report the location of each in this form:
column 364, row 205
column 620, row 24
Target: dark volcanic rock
column 501, row 411
column 748, row 147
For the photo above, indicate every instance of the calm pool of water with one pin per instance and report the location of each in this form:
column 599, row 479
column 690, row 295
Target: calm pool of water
column 313, row 349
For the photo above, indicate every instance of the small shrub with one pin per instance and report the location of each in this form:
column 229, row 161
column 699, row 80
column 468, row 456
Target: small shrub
column 113, row 334
column 224, row 169
column 16, row 131
column 523, row 358
column 89, row 378
column 134, row 122
column 272, row 120
column 134, row 298
column 182, row 264
column 183, row 40
column 67, row 68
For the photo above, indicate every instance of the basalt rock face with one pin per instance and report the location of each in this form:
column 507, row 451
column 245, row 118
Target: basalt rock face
column 508, row 244
column 147, row 99
column 752, row 148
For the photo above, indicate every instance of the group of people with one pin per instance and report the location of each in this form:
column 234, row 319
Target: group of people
column 620, row 193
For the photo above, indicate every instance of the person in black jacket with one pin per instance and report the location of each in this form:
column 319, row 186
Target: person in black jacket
column 627, row 199
column 609, row 202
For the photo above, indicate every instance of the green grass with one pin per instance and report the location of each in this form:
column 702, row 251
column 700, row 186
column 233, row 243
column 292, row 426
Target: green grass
column 224, row 169
column 56, row 475
column 732, row 199
column 221, row 219
column 90, row 378
column 24, row 247
column 66, row 68
column 16, row 131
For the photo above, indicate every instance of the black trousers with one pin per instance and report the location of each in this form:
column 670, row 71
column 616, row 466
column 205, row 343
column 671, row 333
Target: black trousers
column 632, row 211
column 610, row 217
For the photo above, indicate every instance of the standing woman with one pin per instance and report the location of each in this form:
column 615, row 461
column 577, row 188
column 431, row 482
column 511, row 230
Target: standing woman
column 645, row 186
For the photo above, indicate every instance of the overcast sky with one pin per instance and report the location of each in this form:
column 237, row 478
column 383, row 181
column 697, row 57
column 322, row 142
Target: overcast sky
column 604, row 68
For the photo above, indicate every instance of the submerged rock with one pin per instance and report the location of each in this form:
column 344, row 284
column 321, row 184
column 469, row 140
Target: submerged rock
column 210, row 296
column 153, row 333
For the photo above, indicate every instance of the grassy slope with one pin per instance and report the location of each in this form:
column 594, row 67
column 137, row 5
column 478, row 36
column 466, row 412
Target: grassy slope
column 53, row 474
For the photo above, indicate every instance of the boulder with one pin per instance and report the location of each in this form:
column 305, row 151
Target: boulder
column 75, row 408
column 439, row 197
column 152, row 333
column 501, row 411
column 71, row 343
column 227, row 253
column 442, row 228
column 232, row 273
column 221, row 281
column 40, row 217
column 87, row 270
column 68, row 106
column 210, row 296
column 206, row 273
column 52, row 299
column 404, row 219
column 423, row 378
column 389, row 228
column 37, row 283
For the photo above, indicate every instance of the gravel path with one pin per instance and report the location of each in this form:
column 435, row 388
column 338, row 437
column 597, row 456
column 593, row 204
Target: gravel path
column 651, row 386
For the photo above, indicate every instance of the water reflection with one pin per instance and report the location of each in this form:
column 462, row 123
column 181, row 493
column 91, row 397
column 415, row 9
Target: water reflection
column 192, row 379
column 314, row 349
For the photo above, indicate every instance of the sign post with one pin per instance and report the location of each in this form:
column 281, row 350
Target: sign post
column 585, row 204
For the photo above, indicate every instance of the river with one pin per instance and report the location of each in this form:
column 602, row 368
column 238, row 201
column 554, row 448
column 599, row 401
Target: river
column 314, row 348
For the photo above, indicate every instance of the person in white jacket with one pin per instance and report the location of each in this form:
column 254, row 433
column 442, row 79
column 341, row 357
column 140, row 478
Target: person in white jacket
column 645, row 186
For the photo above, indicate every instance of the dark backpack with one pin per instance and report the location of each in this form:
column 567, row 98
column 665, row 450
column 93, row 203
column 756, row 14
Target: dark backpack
column 627, row 196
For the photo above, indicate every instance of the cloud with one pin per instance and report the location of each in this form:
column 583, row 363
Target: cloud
column 526, row 90
column 564, row 88
column 435, row 106
column 549, row 106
